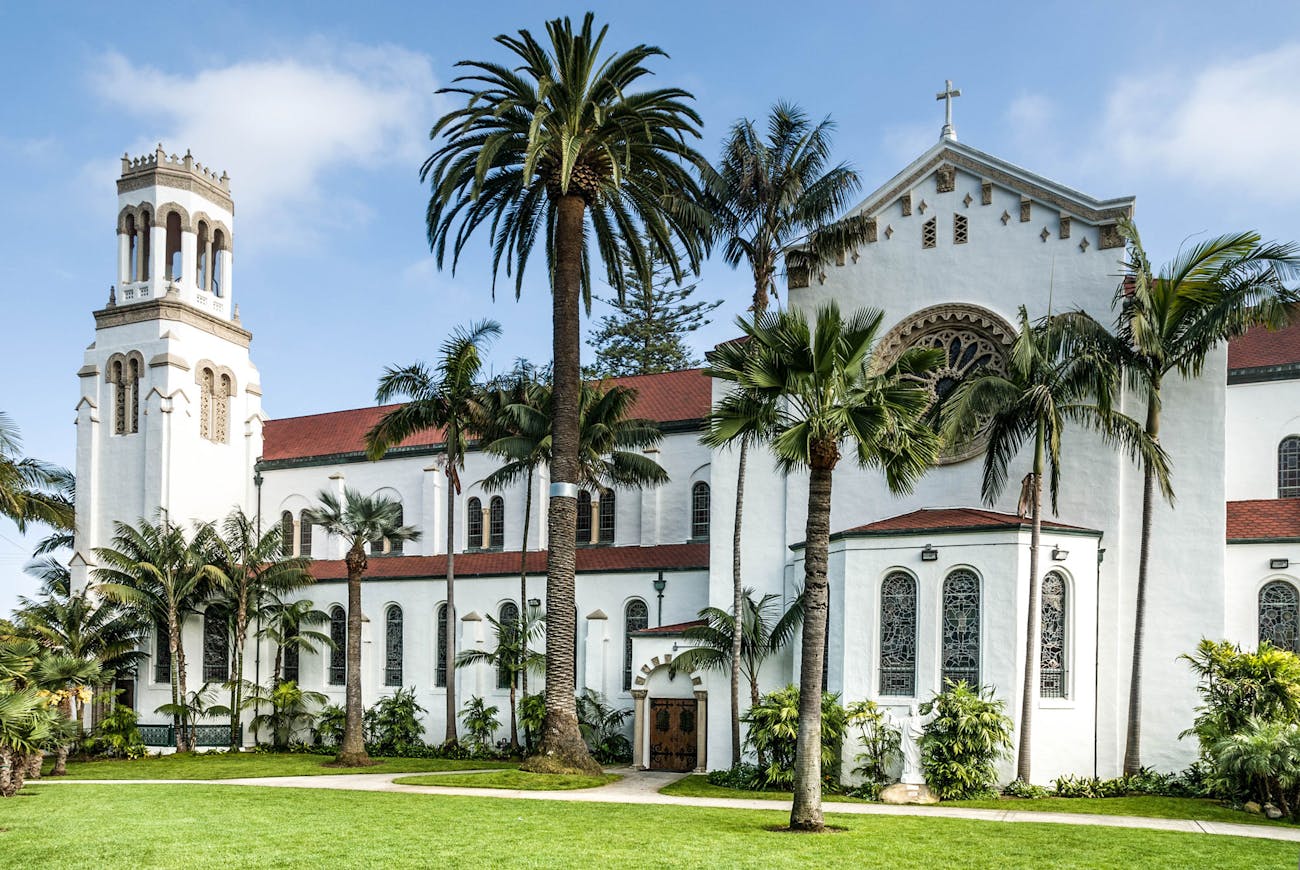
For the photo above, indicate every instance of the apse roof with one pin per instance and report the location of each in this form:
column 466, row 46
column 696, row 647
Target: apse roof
column 1265, row 354
column 1264, row 519
column 949, row 521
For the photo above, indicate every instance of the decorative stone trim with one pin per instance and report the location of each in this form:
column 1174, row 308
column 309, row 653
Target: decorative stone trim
column 1006, row 217
column 1065, row 226
column 967, row 200
column 796, row 279
column 945, row 178
column 172, row 309
column 472, row 616
column 164, row 213
column 124, row 359
column 1110, row 236
column 1026, row 208
column 89, row 370
column 171, row 359
column 256, row 390
column 986, row 193
column 871, row 229
column 906, row 202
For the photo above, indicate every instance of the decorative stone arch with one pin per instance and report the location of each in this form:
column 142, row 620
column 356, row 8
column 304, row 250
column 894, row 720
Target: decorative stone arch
column 164, row 210
column 218, row 371
column 124, row 373
column 642, row 694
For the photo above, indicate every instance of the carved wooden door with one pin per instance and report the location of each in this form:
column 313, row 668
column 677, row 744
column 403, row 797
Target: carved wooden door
column 672, row 733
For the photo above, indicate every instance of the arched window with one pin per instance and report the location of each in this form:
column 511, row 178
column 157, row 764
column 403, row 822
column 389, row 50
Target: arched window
column 218, row 278
column 961, row 628
column 162, row 654
column 393, row 646
column 292, row 658
column 173, row 246
column 440, row 672
column 133, row 384
column 636, row 617
column 584, row 517
column 395, row 547
column 202, row 256
column 145, row 242
column 1279, row 609
column 132, row 249
column 216, row 646
column 286, row 534
column 473, row 524
column 338, row 653
column 215, row 390
column 700, row 510
column 124, row 378
column 898, row 635
column 1288, row 467
column 1052, row 636
column 304, row 534
column 608, row 509
column 497, row 523
column 508, row 616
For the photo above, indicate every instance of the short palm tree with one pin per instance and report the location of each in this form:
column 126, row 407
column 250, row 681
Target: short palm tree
column 776, row 197
column 291, row 710
column 810, row 389
column 446, row 400
column 27, row 718
column 288, row 625
column 557, row 145
column 67, row 680
column 31, row 490
column 162, row 574
column 1046, row 387
column 357, row 519
column 512, row 657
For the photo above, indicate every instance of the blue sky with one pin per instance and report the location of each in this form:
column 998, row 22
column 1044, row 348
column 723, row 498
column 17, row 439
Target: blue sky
column 320, row 113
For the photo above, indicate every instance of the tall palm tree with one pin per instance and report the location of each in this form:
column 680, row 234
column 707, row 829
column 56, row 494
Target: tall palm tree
column 776, row 196
column 1168, row 323
column 513, row 656
column 255, row 566
column 31, row 490
column 357, row 519
column 445, row 399
column 1045, row 388
column 557, row 144
column 162, row 574
column 810, row 390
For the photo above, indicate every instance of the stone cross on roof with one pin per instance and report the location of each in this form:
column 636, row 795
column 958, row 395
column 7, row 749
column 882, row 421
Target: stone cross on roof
column 947, row 96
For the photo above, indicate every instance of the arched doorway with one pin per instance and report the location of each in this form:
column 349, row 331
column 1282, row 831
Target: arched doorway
column 670, row 729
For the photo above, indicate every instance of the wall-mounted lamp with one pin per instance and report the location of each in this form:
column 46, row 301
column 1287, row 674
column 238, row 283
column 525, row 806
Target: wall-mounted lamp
column 1101, row 555
column 1279, row 564
column 660, row 585
column 1059, row 555
column 534, row 602
column 929, row 554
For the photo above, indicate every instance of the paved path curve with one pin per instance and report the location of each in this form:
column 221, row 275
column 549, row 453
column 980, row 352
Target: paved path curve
column 642, row 787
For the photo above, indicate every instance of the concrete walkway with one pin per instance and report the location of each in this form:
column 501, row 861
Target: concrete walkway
column 642, row 787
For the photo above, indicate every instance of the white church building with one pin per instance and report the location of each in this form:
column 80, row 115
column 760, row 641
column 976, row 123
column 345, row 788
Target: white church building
column 923, row 587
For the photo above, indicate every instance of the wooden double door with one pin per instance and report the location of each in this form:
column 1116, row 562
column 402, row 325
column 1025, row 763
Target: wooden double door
column 673, row 738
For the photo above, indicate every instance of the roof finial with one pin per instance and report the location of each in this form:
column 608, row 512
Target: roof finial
column 947, row 96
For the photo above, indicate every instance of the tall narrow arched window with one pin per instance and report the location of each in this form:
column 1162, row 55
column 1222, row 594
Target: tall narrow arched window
column 124, row 381
column 216, row 646
column 898, row 635
column 162, row 654
column 961, row 628
column 393, row 646
column 584, row 517
column 339, row 650
column 497, row 523
column 132, row 249
column 608, row 510
column 700, row 510
column 215, row 389
column 1288, row 467
column 202, row 256
column 1052, row 636
column 1279, row 613
column 286, row 534
column 145, row 243
column 440, row 670
column 304, row 534
column 218, row 272
column 395, row 547
column 473, row 524
column 173, row 246
column 133, row 385
column 636, row 617
column 117, row 377
column 221, row 409
column 508, row 617
column 292, row 657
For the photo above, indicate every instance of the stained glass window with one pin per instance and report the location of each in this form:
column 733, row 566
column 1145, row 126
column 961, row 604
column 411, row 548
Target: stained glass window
column 497, row 522
column 338, row 654
column 961, row 628
column 584, row 517
column 1278, row 611
column 508, row 616
column 1288, row 467
column 1052, row 636
column 393, row 646
column 291, row 657
column 700, row 510
column 636, row 617
column 440, row 677
column 395, row 547
column 286, row 533
column 304, row 534
column 216, row 646
column 898, row 635
column 608, row 507
column 162, row 656
column 474, row 524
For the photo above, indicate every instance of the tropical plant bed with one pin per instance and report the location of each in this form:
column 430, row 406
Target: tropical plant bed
column 240, row 765
column 1148, row 806
column 698, row 785
column 513, row 779
column 112, row 826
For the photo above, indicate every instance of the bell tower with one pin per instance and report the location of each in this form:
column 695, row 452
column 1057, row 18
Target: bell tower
column 170, row 414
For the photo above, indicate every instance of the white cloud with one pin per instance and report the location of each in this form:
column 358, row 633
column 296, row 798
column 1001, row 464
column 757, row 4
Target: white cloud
column 1031, row 114
column 1228, row 125
column 904, row 143
column 280, row 126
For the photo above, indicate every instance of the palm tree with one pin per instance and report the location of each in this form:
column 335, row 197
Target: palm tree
column 809, row 390
column 445, row 399
column 288, row 627
column 27, row 718
column 31, row 490
column 1044, row 389
column 558, row 145
column 161, row 574
column 67, row 680
column 776, row 196
column 358, row 520
column 513, row 656
column 291, row 710
column 1168, row 323
column 255, row 566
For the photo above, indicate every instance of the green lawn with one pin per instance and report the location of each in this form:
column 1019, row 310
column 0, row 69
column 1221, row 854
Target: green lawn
column 516, row 779
column 197, row 826
column 245, row 764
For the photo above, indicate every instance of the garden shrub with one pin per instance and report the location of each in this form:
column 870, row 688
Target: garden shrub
column 117, row 735
column 480, row 721
column 879, row 742
column 330, row 724
column 773, row 730
column 603, row 727
column 744, row 776
column 1018, row 788
column 532, row 716
column 392, row 725
column 961, row 745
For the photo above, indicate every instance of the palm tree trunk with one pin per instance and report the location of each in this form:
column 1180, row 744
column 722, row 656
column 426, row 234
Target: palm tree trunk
column 806, row 812
column 177, row 680
column 737, row 605
column 1133, row 746
column 1025, row 756
column 60, row 760
column 449, row 735
column 561, row 747
column 514, row 722
column 523, row 582
column 237, row 679
column 352, row 753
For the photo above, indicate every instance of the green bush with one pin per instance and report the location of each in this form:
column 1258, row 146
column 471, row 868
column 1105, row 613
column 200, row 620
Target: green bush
column 961, row 745
column 880, row 744
column 117, row 735
column 330, row 724
column 603, row 726
column 744, row 776
column 1264, row 758
column 480, row 721
column 392, row 725
column 773, row 731
column 532, row 716
column 1018, row 788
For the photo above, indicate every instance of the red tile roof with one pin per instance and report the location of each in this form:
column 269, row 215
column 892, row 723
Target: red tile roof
column 591, row 560
column 1260, row 347
column 952, row 520
column 675, row 628
column 1264, row 519
column 672, row 397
